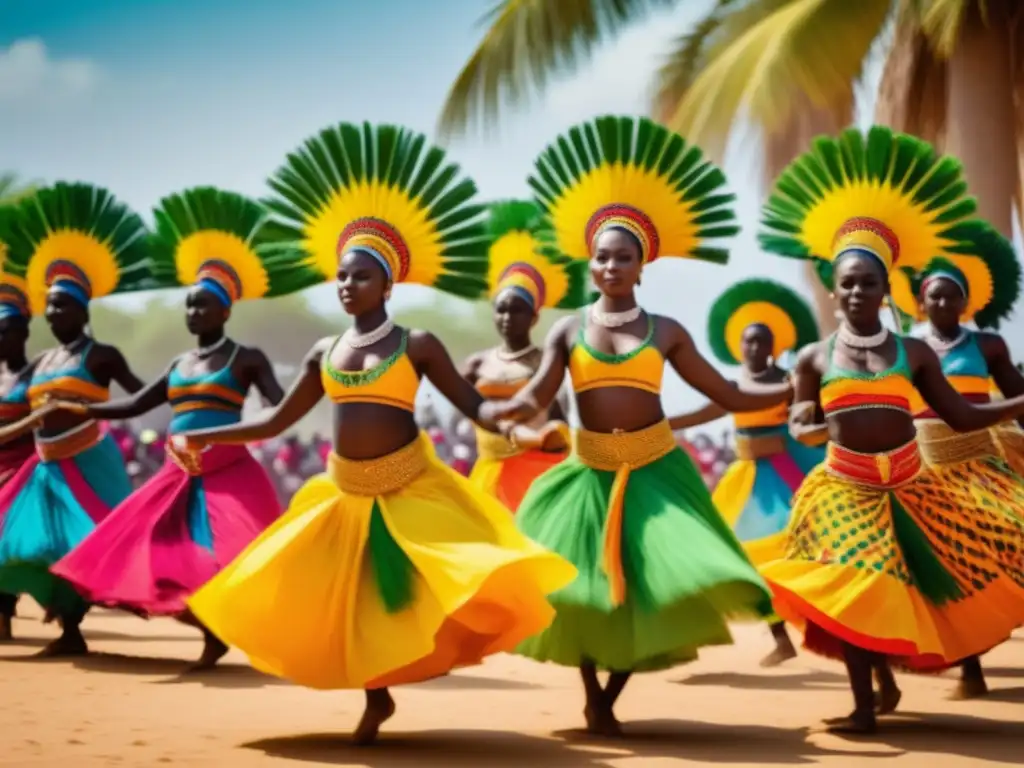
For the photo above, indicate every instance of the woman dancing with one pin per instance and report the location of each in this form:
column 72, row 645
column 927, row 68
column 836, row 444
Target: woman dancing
column 72, row 243
column 14, row 320
column 659, row 569
column 983, row 289
column 391, row 568
column 885, row 562
column 522, row 282
column 188, row 521
column 751, row 325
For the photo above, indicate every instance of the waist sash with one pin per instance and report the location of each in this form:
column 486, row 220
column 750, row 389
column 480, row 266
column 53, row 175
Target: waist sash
column 889, row 469
column 940, row 444
column 69, row 444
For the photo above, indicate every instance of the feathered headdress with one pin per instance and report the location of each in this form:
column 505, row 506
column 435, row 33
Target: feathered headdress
column 383, row 190
column 13, row 293
column 634, row 174
column 759, row 302
column 989, row 276
column 518, row 260
column 80, row 239
column 888, row 195
column 221, row 240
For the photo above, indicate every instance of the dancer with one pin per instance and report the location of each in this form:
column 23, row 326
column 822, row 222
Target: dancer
column 14, row 320
column 72, row 243
column 391, row 568
column 174, row 533
column 983, row 289
column 659, row 569
column 752, row 324
column 522, row 282
column 885, row 561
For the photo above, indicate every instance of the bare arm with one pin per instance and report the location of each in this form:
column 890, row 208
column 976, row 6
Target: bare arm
column 542, row 389
column 435, row 364
column 806, row 419
column 1006, row 375
column 953, row 409
column 301, row 398
column 696, row 371
column 706, row 413
column 17, row 429
column 115, row 368
column 470, row 369
column 143, row 401
column 260, row 372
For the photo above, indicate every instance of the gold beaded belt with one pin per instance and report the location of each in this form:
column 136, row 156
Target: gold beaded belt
column 69, row 444
column 621, row 452
column 753, row 447
column 381, row 476
column 940, row 444
column 490, row 445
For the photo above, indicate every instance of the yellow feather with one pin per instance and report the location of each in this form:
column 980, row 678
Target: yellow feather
column 763, row 313
column 199, row 247
column 96, row 259
column 521, row 247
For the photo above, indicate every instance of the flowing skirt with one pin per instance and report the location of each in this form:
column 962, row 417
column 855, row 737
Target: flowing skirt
column 47, row 509
column 659, row 570
column 755, row 495
column 174, row 533
column 383, row 572
column 897, row 560
column 507, row 473
column 11, row 460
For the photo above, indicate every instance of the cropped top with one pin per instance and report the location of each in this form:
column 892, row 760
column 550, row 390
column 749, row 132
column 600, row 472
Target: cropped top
column 393, row 381
column 843, row 390
column 641, row 368
column 205, row 400
column 966, row 370
column 767, row 420
column 71, row 383
column 14, row 405
column 516, row 375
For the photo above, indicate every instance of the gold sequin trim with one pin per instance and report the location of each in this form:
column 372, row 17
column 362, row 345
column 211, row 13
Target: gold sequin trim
column 378, row 477
column 940, row 444
column 608, row 452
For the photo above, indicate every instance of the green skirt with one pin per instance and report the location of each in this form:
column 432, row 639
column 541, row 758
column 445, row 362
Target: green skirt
column 685, row 571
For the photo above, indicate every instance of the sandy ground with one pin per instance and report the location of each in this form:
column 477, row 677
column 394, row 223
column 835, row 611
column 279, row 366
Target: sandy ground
column 126, row 705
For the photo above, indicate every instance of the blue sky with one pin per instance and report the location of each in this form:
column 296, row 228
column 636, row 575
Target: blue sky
column 148, row 97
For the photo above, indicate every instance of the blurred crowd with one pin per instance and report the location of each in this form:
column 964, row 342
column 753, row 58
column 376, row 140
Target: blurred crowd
column 290, row 460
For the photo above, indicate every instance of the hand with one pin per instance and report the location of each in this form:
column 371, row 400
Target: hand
column 185, row 443
column 494, row 411
column 38, row 416
column 555, row 437
column 82, row 409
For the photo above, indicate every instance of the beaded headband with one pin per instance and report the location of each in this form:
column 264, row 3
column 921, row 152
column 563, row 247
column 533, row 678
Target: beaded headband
column 69, row 278
column 13, row 300
column 381, row 241
column 220, row 279
column 525, row 281
column 631, row 219
column 868, row 236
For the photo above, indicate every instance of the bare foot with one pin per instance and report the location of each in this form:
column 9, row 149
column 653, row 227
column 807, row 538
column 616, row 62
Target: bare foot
column 6, row 635
column 374, row 716
column 969, row 688
column 213, row 651
column 784, row 651
column 71, row 643
column 601, row 720
column 856, row 723
column 887, row 699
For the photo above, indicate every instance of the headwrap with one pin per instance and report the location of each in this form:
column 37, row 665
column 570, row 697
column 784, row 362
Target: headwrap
column 633, row 174
column 222, row 242
column 759, row 302
column 384, row 191
column 520, row 263
column 78, row 239
column 13, row 298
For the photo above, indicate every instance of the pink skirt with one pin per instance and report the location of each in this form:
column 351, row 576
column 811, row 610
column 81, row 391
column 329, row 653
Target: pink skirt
column 173, row 534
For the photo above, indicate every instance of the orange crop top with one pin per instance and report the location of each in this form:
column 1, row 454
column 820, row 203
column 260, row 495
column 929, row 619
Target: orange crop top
column 393, row 381
column 775, row 416
column 71, row 383
column 642, row 368
column 843, row 390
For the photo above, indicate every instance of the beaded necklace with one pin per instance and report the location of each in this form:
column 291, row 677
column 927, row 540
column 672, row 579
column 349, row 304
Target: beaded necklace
column 368, row 375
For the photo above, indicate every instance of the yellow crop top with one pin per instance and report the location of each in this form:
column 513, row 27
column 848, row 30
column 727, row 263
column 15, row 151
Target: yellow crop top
column 642, row 368
column 393, row 381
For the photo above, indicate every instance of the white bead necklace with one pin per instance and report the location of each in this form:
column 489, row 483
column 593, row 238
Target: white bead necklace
column 511, row 357
column 941, row 345
column 855, row 341
column 358, row 340
column 614, row 319
column 205, row 351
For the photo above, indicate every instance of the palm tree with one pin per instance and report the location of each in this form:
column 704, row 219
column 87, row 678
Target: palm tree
column 791, row 68
column 12, row 190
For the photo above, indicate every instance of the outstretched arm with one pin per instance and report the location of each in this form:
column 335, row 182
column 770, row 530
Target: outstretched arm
column 116, row 369
column 1006, row 375
column 143, row 401
column 953, row 409
column 260, row 372
column 16, row 429
column 806, row 419
column 696, row 371
column 303, row 396
column 706, row 413
column 433, row 362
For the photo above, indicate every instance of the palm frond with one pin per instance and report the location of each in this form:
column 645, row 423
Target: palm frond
column 943, row 20
column 13, row 190
column 528, row 41
column 811, row 47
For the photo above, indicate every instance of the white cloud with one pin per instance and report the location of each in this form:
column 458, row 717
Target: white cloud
column 28, row 75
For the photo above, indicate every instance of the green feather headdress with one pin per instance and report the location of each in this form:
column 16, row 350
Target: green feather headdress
column 520, row 261
column 208, row 234
column 385, row 190
column 80, row 234
column 762, row 302
column 633, row 173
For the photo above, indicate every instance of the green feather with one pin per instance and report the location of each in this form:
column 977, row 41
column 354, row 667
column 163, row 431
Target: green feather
column 758, row 289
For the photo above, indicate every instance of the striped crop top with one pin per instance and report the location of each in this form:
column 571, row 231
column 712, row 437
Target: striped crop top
column 641, row 368
column 14, row 405
column 967, row 372
column 205, row 400
column 71, row 383
column 843, row 390
column 393, row 381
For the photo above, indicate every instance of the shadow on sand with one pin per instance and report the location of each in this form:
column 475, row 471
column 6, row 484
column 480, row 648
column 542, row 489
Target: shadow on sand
column 975, row 738
column 222, row 676
column 797, row 680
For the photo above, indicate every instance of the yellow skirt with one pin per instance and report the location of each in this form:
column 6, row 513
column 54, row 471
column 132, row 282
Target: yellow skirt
column 505, row 472
column 383, row 572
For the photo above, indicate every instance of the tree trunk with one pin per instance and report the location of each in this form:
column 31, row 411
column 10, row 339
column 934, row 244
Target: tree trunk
column 982, row 119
